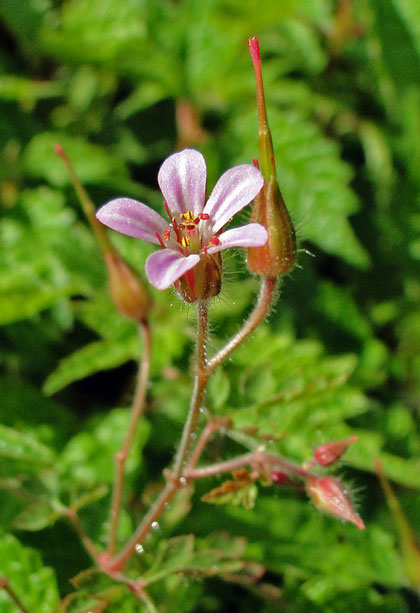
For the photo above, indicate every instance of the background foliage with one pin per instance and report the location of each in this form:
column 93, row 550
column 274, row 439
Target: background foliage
column 121, row 84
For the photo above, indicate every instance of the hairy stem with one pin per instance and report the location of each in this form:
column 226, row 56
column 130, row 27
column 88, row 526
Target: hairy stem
column 211, row 427
column 262, row 308
column 200, row 382
column 175, row 481
column 122, row 455
column 248, row 459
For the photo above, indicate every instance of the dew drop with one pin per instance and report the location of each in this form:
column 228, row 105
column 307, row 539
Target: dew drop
column 193, row 436
column 154, row 525
column 202, row 410
column 139, row 549
column 182, row 481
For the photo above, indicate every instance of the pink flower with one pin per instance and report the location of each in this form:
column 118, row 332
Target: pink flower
column 194, row 230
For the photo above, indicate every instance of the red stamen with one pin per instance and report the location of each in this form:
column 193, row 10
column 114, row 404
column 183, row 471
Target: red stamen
column 191, row 226
column 167, row 210
column 162, row 244
column 256, row 163
column 167, row 235
column 214, row 241
column 197, row 221
column 177, row 230
column 204, row 216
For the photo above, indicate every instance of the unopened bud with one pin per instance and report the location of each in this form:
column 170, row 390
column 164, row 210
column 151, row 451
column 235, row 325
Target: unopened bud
column 278, row 255
column 328, row 453
column 331, row 496
column 128, row 291
column 281, row 478
column 203, row 281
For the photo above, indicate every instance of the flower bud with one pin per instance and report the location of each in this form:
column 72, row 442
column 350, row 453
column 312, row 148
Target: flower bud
column 331, row 496
column 203, row 281
column 278, row 255
column 329, row 453
column 127, row 289
column 281, row 478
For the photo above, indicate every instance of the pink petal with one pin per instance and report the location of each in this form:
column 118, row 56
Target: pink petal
column 251, row 235
column 182, row 181
column 234, row 190
column 132, row 218
column 165, row 267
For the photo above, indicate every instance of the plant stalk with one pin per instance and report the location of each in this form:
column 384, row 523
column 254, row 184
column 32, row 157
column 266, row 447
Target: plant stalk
column 262, row 308
column 122, row 455
column 175, row 481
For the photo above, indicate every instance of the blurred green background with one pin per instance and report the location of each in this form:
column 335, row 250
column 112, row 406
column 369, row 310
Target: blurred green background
column 121, row 84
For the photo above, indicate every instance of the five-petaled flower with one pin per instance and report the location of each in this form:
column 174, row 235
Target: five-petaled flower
column 192, row 238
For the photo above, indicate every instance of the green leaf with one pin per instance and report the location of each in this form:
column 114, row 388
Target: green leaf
column 23, row 303
column 21, row 446
column 398, row 20
column 26, row 408
column 218, row 389
column 34, row 584
column 26, row 91
column 188, row 555
column 41, row 161
column 88, row 459
column 99, row 355
column 36, row 516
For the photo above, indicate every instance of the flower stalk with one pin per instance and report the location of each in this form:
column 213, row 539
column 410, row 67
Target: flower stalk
column 127, row 289
column 122, row 455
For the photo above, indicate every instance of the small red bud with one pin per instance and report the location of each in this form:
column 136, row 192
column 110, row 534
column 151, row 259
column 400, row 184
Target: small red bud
column 331, row 496
column 280, row 478
column 328, row 453
column 128, row 291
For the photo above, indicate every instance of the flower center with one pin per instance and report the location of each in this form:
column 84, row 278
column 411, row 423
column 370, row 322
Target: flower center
column 187, row 232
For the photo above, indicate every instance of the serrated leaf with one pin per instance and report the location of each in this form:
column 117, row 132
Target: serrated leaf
column 20, row 446
column 99, row 355
column 41, row 161
column 34, row 584
column 23, row 303
column 88, row 459
column 25, row 404
column 191, row 556
column 36, row 516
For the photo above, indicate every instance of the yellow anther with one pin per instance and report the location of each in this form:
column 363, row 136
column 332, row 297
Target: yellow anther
column 188, row 216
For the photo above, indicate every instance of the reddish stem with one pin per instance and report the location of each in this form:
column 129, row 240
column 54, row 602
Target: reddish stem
column 4, row 584
column 268, row 285
column 122, row 455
